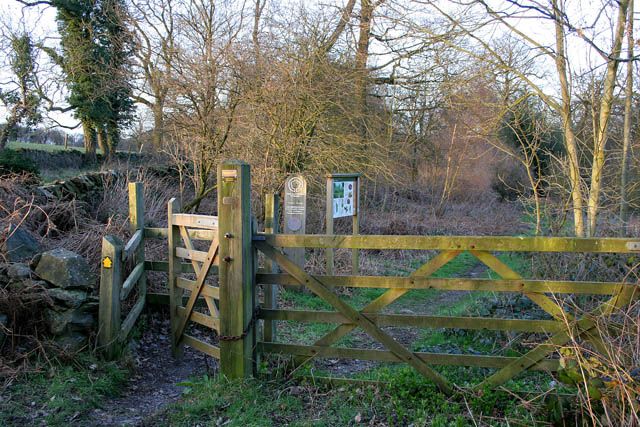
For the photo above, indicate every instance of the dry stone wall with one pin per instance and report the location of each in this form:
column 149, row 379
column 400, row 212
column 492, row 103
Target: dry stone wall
column 67, row 284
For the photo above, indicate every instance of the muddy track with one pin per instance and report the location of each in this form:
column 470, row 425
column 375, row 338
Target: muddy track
column 154, row 380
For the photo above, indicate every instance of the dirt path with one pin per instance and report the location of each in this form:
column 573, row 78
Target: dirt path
column 154, row 381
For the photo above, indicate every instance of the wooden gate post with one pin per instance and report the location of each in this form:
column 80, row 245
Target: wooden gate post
column 136, row 223
column 110, row 285
column 237, row 289
column 271, row 226
column 175, row 293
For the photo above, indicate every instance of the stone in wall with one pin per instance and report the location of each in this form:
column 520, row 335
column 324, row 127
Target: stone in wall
column 71, row 315
column 65, row 269
column 19, row 244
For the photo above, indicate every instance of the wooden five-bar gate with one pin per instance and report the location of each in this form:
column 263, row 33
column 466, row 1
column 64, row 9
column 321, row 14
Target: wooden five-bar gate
column 234, row 314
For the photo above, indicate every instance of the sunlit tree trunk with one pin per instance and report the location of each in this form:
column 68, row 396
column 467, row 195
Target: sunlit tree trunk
column 569, row 136
column 600, row 138
column 362, row 55
column 626, row 139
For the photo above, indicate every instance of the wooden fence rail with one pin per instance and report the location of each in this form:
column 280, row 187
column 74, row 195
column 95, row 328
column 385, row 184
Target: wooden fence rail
column 459, row 243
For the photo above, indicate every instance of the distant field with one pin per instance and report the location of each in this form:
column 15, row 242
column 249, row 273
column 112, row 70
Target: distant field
column 49, row 148
column 44, row 147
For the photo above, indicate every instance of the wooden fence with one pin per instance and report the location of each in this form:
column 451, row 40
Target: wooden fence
column 234, row 311
column 562, row 326
column 114, row 287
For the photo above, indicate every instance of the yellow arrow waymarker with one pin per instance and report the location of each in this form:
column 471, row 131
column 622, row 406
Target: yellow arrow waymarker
column 107, row 262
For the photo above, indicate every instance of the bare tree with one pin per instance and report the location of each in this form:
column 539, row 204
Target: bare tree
column 154, row 29
column 205, row 87
column 473, row 23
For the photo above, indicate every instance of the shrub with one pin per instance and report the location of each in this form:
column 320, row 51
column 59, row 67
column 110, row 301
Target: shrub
column 510, row 181
column 12, row 162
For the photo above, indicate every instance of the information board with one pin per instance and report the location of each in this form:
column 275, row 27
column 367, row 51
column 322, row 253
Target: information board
column 343, row 198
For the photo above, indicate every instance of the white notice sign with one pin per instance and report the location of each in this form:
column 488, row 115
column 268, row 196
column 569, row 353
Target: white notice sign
column 343, row 198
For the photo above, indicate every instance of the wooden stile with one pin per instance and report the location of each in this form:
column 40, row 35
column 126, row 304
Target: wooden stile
column 195, row 221
column 114, row 287
column 175, row 292
column 195, row 234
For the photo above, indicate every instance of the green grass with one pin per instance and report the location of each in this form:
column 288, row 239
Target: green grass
column 415, row 300
column 405, row 399
column 15, row 145
column 307, row 333
column 61, row 393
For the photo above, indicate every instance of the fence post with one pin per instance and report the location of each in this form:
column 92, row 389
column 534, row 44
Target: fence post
column 329, row 227
column 110, row 285
column 175, row 293
column 271, row 226
column 136, row 222
column 237, row 290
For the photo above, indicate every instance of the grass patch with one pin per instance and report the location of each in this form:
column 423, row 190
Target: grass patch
column 16, row 145
column 405, row 399
column 63, row 394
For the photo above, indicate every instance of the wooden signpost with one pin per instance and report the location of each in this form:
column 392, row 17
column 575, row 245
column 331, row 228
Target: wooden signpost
column 343, row 200
column 295, row 213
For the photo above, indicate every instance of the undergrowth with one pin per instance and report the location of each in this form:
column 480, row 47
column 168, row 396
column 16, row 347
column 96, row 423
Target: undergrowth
column 61, row 393
column 405, row 399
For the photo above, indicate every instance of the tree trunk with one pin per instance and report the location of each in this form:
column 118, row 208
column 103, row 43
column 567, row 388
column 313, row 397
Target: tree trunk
column 569, row 137
column 362, row 55
column 113, row 139
column 158, row 124
column 600, row 138
column 7, row 130
column 628, row 111
column 101, row 136
column 89, row 140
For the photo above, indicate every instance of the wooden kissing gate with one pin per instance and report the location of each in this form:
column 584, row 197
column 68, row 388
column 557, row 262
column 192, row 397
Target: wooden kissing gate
column 233, row 311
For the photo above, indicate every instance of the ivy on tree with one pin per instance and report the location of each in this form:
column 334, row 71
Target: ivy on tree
column 22, row 102
column 96, row 47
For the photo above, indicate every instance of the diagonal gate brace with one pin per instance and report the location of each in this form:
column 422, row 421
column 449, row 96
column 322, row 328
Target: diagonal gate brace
column 359, row 319
column 387, row 298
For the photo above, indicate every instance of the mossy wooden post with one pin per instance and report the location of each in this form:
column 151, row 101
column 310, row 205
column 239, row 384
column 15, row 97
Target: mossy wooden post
column 355, row 253
column 175, row 293
column 237, row 290
column 136, row 223
column 110, row 284
column 329, row 226
column 271, row 226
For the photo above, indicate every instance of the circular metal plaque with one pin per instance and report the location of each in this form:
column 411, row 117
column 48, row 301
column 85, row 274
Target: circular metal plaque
column 295, row 184
column 294, row 223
